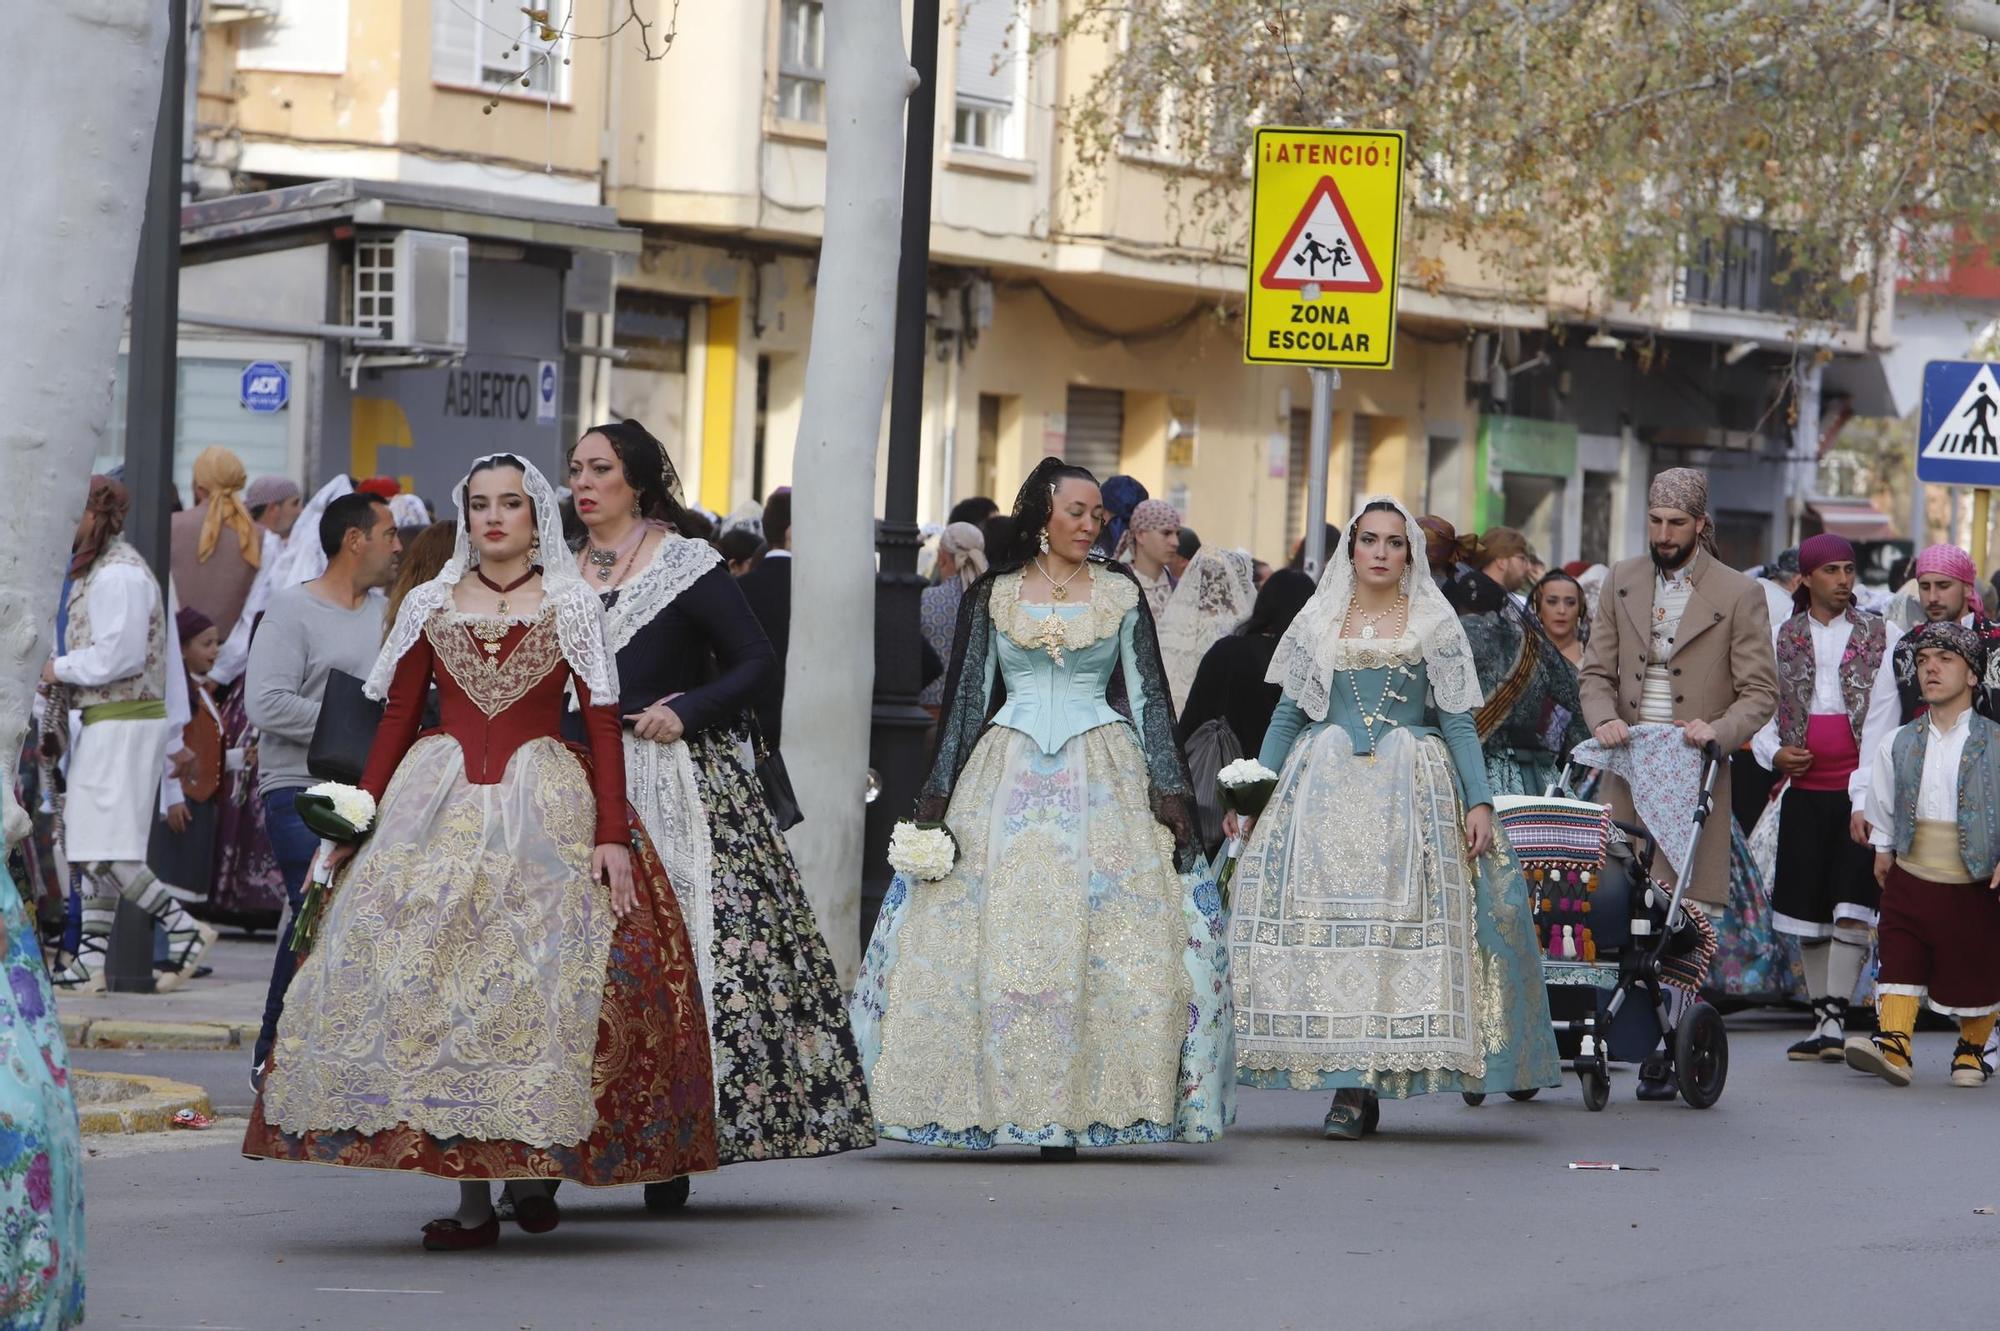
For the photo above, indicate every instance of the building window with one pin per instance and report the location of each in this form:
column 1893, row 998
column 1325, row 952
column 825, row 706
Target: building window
column 500, row 47
column 991, row 74
column 802, row 61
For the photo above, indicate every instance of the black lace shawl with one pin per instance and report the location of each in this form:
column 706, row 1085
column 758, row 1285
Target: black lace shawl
column 969, row 709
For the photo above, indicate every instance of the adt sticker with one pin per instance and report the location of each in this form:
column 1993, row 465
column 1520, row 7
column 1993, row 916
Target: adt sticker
column 267, row 387
column 545, row 394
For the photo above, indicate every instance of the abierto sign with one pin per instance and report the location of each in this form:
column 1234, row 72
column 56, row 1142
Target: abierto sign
column 1326, row 222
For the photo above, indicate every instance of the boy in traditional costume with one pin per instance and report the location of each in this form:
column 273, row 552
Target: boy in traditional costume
column 1934, row 801
column 1837, row 705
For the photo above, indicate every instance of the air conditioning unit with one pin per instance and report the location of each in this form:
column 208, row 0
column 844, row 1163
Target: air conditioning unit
column 410, row 287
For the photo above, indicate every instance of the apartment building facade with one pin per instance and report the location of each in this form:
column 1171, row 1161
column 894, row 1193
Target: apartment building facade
column 1068, row 315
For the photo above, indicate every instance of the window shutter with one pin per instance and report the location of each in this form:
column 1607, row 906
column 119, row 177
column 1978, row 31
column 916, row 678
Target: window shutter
column 990, row 46
column 455, row 41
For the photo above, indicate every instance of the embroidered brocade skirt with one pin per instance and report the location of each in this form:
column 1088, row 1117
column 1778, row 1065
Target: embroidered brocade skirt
column 788, row 1081
column 41, row 1153
column 1365, row 951
column 473, row 1009
column 1064, row 986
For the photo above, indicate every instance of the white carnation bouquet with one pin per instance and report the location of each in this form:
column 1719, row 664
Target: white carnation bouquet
column 340, row 815
column 1245, row 787
column 922, row 852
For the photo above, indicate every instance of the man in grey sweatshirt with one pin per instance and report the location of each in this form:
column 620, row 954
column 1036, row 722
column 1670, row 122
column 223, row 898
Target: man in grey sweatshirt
column 330, row 623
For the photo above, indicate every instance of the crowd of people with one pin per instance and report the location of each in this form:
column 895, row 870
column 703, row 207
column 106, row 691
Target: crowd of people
column 573, row 944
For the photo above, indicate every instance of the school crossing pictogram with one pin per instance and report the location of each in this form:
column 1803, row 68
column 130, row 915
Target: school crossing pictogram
column 1324, row 248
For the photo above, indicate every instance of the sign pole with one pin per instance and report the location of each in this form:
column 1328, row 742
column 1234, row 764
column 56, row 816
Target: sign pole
column 1982, row 499
column 1324, row 383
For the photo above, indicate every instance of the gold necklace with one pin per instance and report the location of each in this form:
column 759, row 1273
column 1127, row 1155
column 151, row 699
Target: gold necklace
column 1058, row 591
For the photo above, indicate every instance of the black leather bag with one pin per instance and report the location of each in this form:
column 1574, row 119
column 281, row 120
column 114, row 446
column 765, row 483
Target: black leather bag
column 776, row 781
column 348, row 719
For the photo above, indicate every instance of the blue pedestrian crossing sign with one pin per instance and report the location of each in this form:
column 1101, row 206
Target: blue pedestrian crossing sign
column 267, row 387
column 1961, row 424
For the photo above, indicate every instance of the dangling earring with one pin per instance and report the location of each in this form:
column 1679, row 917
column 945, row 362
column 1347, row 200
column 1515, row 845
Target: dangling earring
column 1045, row 540
column 637, row 511
column 535, row 551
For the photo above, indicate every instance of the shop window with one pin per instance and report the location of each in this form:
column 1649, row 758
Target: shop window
column 498, row 46
column 802, row 61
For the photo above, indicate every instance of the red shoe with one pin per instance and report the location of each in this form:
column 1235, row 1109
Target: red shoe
column 449, row 1236
column 536, row 1215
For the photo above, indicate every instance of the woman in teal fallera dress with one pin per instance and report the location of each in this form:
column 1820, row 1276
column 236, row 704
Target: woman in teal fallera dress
column 1382, row 942
column 41, row 1154
column 1064, row 985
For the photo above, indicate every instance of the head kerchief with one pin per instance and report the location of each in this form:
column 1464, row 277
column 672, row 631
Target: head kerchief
column 220, row 473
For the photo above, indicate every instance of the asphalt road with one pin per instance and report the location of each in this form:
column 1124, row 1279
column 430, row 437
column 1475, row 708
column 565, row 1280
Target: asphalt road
column 1810, row 1197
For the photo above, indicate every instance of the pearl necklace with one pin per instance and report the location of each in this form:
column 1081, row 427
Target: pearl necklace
column 1369, row 621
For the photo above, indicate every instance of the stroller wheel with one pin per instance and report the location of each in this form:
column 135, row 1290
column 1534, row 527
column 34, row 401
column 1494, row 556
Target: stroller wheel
column 1522, row 1096
column 1596, row 1089
column 1701, row 1056
column 1474, row 1098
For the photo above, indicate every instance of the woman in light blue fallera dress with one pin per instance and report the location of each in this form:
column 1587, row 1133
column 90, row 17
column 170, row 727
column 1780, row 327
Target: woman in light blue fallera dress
column 1066, row 984
column 1370, row 953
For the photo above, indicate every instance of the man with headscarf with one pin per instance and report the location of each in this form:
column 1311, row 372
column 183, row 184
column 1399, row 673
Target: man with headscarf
column 110, row 669
column 1122, row 497
column 274, row 503
column 1679, row 638
column 1948, row 593
column 218, row 549
column 1837, row 705
column 1153, row 536
column 1936, row 785
column 1779, row 581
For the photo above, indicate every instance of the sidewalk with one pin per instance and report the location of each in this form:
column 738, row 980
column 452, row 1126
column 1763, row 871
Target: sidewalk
column 221, row 1011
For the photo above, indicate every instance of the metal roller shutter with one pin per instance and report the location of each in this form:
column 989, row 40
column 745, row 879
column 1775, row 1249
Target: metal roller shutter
column 1096, row 429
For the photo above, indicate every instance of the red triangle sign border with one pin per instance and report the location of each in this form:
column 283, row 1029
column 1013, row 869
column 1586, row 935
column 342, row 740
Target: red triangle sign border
column 1369, row 282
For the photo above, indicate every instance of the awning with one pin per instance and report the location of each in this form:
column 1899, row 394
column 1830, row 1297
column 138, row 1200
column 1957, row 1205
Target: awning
column 476, row 214
column 1856, row 519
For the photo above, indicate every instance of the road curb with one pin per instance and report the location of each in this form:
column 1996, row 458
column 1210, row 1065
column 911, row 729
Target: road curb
column 116, row 1033
column 149, row 1103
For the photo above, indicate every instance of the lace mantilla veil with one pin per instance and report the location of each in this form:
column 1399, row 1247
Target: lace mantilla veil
column 579, row 616
column 1310, row 654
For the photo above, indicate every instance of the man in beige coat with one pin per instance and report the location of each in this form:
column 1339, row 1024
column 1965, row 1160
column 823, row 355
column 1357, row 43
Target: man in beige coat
column 1679, row 636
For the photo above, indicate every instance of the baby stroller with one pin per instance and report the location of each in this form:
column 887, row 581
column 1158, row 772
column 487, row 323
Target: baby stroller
column 1614, row 941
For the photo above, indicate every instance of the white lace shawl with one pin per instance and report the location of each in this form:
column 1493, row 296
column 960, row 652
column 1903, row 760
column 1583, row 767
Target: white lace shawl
column 675, row 567
column 1310, row 655
column 1215, row 597
column 579, row 614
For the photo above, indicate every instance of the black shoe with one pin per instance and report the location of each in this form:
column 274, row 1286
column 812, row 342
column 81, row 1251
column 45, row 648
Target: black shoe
column 1816, row 1049
column 1656, row 1080
column 1058, row 1153
column 669, row 1196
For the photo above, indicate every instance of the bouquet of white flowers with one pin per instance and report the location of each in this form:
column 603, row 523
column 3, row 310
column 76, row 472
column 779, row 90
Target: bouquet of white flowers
column 923, row 852
column 341, row 815
column 1245, row 787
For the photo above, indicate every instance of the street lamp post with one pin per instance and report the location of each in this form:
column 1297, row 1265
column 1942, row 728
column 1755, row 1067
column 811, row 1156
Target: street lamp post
column 896, row 744
column 149, row 413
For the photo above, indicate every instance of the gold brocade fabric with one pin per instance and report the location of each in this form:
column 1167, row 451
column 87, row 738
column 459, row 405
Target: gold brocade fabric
column 460, row 974
column 1354, row 941
column 1042, row 982
column 495, row 681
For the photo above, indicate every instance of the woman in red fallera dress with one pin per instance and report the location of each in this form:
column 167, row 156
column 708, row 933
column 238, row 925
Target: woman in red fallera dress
column 502, row 987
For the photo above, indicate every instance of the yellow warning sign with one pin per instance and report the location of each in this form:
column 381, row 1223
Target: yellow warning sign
column 1326, row 215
